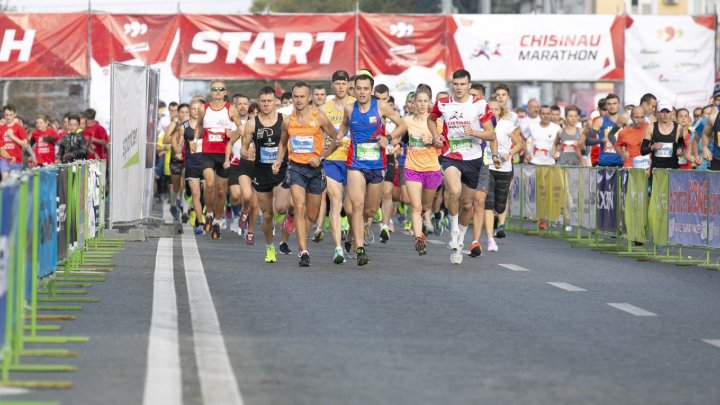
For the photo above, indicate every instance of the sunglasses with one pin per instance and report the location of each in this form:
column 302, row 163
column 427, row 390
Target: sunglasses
column 217, row 88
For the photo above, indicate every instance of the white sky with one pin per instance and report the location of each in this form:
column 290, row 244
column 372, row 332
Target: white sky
column 132, row 6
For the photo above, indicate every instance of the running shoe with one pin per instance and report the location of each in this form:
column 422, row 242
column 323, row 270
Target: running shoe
column 174, row 212
column 407, row 227
column 223, row 223
column 250, row 239
column 475, row 249
column 378, row 215
column 215, row 235
column 290, row 223
column 270, row 255
column 234, row 227
column 456, row 257
column 326, row 225
column 492, row 246
column 198, row 230
column 208, row 224
column 284, row 248
column 454, row 243
column 318, row 235
column 500, row 232
column 362, row 258
column 402, row 209
column 304, row 259
column 278, row 218
column 344, row 224
column 437, row 227
column 384, row 234
column 192, row 218
column 369, row 235
column 420, row 245
column 243, row 221
column 349, row 251
column 339, row 257
column 184, row 218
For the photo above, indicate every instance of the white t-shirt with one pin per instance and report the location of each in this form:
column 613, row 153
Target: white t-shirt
column 525, row 125
column 504, row 128
column 542, row 139
column 456, row 116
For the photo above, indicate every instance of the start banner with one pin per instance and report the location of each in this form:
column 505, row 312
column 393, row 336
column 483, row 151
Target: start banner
column 43, row 45
column 537, row 47
column 281, row 47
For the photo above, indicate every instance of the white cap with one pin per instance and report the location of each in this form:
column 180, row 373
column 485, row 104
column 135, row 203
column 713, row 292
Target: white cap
column 664, row 105
column 594, row 114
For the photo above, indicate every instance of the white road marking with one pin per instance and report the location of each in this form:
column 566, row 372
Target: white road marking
column 217, row 378
column 714, row 342
column 632, row 309
column 513, row 267
column 163, row 379
column 436, row 242
column 13, row 391
column 566, row 286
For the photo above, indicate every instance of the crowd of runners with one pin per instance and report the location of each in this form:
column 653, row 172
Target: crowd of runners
column 310, row 164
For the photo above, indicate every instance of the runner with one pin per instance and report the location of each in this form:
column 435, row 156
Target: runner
column 664, row 139
column 611, row 122
column 176, row 163
column 241, row 171
column 423, row 174
column 649, row 103
column 565, row 148
column 502, row 96
column 336, row 163
column 319, row 96
column 217, row 117
column 303, row 138
column 44, row 139
column 467, row 123
column 264, row 133
column 683, row 120
column 382, row 93
column 366, row 159
column 508, row 143
column 184, row 140
column 14, row 140
column 96, row 136
column 630, row 141
column 238, row 189
column 72, row 146
column 541, row 137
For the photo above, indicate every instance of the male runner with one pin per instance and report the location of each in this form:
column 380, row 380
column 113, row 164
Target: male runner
column 649, row 103
column 304, row 140
column 366, row 159
column 319, row 96
column 607, row 127
column 217, row 118
column 467, row 122
column 336, row 164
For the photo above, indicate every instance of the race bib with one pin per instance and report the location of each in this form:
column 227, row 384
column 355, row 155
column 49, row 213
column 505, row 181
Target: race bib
column 43, row 149
column 268, row 155
column 568, row 147
column 302, row 144
column 415, row 142
column 460, row 144
column 541, row 152
column 665, row 151
column 368, row 151
column 198, row 146
column 641, row 162
column 215, row 137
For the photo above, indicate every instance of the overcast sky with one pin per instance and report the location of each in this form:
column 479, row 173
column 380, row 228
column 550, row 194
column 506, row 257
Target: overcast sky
column 131, row 6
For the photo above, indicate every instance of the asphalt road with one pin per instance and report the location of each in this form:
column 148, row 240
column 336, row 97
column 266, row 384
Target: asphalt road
column 404, row 329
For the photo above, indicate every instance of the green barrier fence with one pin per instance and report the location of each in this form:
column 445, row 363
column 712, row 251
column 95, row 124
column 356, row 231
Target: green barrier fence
column 611, row 209
column 52, row 248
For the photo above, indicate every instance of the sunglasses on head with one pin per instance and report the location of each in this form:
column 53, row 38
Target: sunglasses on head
column 217, row 88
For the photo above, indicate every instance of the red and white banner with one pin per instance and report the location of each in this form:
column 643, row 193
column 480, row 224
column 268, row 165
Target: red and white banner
column 43, row 45
column 537, row 47
column 134, row 40
column 266, row 47
column 672, row 57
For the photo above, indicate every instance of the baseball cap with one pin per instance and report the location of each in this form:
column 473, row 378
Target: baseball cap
column 664, row 105
column 340, row 75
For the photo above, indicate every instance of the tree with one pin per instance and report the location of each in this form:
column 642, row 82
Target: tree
column 345, row 6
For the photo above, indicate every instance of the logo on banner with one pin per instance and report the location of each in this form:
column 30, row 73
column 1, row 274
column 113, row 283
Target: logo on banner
column 402, row 30
column 134, row 29
column 486, row 51
column 669, row 33
column 22, row 45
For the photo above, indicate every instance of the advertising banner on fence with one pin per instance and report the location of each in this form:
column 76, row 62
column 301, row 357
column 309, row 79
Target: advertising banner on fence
column 91, row 201
column 515, row 187
column 403, row 50
column 714, row 210
column 129, row 127
column 281, row 47
column 687, row 208
column 607, row 200
column 30, row 233
column 589, row 198
column 662, row 52
column 529, row 192
column 150, row 40
column 8, row 204
column 62, row 212
column 572, row 196
column 636, row 204
column 537, row 47
column 47, row 255
column 658, row 209
column 43, row 45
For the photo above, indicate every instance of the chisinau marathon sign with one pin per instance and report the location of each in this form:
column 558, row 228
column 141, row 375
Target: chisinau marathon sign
column 687, row 208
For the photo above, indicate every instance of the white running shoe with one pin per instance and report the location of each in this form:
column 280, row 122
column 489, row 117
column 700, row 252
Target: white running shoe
column 456, row 257
column 492, row 246
column 454, row 243
column 234, row 227
column 223, row 223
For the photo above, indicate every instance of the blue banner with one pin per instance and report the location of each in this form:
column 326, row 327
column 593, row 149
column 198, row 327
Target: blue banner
column 607, row 200
column 714, row 208
column 80, row 199
column 47, row 259
column 29, row 236
column 687, row 208
column 7, row 227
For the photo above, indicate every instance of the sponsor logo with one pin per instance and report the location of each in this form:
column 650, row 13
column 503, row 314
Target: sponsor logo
column 651, row 66
column 668, row 33
column 295, row 47
column 402, row 50
column 402, row 30
column 687, row 50
column 134, row 29
column 687, row 66
column 11, row 43
column 649, row 51
column 456, row 115
column 486, row 51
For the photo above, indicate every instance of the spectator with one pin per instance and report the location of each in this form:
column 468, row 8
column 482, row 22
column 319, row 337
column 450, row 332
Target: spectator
column 73, row 146
column 95, row 135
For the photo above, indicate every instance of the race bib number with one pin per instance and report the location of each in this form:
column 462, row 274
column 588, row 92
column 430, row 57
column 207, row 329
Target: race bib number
column 460, row 144
column 415, row 142
column 214, row 137
column 541, row 152
column 368, row 151
column 641, row 162
column 568, row 147
column 665, row 150
column 302, row 144
column 268, row 155
column 43, row 149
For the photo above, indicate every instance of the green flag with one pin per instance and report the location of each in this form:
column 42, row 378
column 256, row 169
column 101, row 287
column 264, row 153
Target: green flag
column 636, row 204
column 658, row 212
